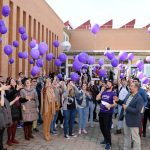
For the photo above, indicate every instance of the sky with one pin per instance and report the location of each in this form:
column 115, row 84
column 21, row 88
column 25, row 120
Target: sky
column 101, row 11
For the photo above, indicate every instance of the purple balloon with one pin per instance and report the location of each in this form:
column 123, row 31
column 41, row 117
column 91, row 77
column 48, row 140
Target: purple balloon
column 49, row 57
column 83, row 57
column 102, row 73
column 145, row 80
column 20, row 54
column 77, row 65
column 2, row 23
column 140, row 75
column 148, row 30
column 62, row 57
column 32, row 44
column 141, row 67
column 130, row 56
column 3, row 29
column 121, row 75
column 101, row 62
column 56, row 43
column 24, row 36
column 110, row 55
column 15, row 43
column 11, row 60
column 114, row 62
column 8, row 49
column 95, row 29
column 25, row 55
column 42, row 48
column 35, row 70
column 5, row 10
column 58, row 63
column 31, row 61
column 59, row 76
column 22, row 30
column 1, row 40
column 74, row 76
column 40, row 62
column 123, row 56
column 91, row 60
column 139, row 63
column 85, row 66
column 35, row 53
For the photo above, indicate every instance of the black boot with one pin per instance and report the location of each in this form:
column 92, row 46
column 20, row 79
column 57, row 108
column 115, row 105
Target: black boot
column 1, row 139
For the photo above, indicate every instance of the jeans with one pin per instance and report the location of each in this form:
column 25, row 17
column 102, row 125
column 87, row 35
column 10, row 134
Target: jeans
column 134, row 133
column 83, row 117
column 105, row 121
column 69, row 118
column 120, row 123
column 91, row 107
column 52, row 127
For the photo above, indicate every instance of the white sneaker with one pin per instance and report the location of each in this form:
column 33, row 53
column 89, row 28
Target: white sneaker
column 62, row 126
column 79, row 131
column 84, row 131
column 67, row 137
column 56, row 125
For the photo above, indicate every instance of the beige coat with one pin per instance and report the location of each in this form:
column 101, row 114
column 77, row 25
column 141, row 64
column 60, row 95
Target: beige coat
column 47, row 97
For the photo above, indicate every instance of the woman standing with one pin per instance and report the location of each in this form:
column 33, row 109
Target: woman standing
column 12, row 94
column 29, row 108
column 47, row 107
column 83, row 108
column 69, row 109
column 5, row 113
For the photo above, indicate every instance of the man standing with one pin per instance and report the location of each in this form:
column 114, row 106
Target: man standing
column 132, row 107
column 123, row 92
column 106, row 110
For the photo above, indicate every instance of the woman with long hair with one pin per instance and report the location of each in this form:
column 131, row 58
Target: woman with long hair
column 69, row 108
column 29, row 108
column 5, row 112
column 83, row 107
column 12, row 94
column 47, row 107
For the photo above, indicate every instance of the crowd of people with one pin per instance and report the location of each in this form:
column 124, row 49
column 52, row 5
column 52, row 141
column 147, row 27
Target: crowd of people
column 48, row 99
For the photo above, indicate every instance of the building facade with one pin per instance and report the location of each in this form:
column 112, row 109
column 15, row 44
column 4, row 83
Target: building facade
column 41, row 23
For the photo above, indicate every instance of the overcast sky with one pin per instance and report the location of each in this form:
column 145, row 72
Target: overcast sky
column 101, row 11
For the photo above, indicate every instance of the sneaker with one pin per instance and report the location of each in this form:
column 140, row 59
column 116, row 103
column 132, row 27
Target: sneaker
column 36, row 130
column 73, row 135
column 79, row 131
column 54, row 132
column 67, row 137
column 112, row 126
column 61, row 125
column 19, row 126
column 103, row 142
column 107, row 147
column 56, row 125
column 84, row 131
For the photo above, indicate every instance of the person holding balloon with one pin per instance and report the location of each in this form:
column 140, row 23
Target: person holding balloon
column 69, row 105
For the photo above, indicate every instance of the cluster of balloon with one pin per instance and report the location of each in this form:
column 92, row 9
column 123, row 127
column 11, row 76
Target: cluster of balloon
column 95, row 29
column 74, row 76
column 23, row 33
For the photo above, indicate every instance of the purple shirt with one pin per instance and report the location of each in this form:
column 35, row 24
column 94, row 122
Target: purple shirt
column 106, row 97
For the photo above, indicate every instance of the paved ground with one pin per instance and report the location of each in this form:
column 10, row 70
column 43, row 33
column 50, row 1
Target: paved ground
column 82, row 142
